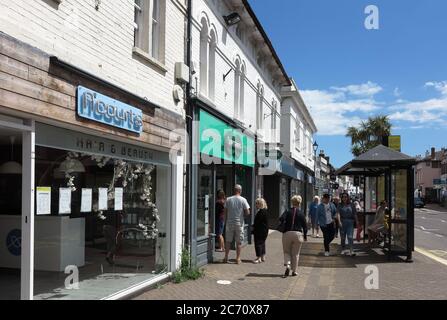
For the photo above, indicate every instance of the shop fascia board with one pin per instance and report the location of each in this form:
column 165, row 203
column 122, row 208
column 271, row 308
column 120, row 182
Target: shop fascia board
column 54, row 60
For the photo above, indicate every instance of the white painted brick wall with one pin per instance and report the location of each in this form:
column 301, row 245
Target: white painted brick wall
column 228, row 47
column 100, row 41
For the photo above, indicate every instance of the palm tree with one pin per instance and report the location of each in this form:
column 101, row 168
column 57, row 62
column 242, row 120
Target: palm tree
column 369, row 134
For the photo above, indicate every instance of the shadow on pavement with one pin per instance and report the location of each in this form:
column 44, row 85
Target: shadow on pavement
column 264, row 275
column 312, row 256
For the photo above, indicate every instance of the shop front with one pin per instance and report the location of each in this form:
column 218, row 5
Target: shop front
column 89, row 202
column 225, row 157
column 285, row 181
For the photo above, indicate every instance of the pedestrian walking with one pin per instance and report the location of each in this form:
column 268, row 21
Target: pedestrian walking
column 220, row 220
column 313, row 206
column 347, row 216
column 294, row 233
column 236, row 208
column 260, row 229
column 326, row 213
column 336, row 202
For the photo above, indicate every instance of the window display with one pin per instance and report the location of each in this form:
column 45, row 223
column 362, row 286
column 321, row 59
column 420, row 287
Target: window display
column 106, row 216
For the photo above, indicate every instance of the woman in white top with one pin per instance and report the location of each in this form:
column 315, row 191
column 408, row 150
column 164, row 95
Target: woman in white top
column 379, row 222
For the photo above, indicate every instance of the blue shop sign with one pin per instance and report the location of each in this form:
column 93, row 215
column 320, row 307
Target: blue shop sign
column 100, row 108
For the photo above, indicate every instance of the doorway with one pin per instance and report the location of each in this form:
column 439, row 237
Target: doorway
column 16, row 203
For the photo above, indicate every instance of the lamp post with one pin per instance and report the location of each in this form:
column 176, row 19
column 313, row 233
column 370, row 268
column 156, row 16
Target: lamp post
column 315, row 147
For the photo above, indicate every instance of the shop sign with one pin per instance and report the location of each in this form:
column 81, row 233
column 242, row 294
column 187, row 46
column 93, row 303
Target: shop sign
column 219, row 140
column 440, row 181
column 394, row 143
column 53, row 137
column 100, row 108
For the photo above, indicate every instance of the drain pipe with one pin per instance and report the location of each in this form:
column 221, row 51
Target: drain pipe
column 189, row 124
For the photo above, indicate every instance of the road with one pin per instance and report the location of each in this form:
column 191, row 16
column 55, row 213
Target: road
column 431, row 231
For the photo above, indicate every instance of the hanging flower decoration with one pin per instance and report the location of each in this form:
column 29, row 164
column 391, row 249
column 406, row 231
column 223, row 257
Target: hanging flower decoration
column 70, row 181
column 137, row 177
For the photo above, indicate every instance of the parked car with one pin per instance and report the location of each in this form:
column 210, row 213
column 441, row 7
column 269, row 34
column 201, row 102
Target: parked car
column 419, row 203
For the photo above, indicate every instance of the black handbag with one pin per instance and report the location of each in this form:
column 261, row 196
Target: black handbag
column 281, row 226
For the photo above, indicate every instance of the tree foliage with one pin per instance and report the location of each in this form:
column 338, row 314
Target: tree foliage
column 368, row 134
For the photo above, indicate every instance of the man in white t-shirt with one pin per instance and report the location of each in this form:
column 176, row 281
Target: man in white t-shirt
column 236, row 208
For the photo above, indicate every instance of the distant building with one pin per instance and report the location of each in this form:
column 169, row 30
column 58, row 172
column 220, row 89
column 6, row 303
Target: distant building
column 431, row 174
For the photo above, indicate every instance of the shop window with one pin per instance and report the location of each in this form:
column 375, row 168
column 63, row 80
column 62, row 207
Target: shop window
column 105, row 216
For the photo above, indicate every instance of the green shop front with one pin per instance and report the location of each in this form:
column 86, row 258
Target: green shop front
column 223, row 156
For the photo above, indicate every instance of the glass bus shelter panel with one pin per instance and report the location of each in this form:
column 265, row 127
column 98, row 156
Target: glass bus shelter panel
column 399, row 209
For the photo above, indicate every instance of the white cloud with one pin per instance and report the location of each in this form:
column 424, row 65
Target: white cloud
column 439, row 86
column 397, row 92
column 333, row 111
column 368, row 89
column 336, row 109
column 431, row 112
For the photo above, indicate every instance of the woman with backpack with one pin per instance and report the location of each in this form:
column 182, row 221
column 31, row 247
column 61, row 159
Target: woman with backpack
column 347, row 217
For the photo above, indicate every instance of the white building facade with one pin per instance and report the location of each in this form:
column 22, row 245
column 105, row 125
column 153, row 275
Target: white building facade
column 236, row 93
column 89, row 102
column 297, row 131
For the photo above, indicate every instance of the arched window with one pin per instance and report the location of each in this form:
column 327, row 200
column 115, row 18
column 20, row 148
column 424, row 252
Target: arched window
column 204, row 58
column 242, row 92
column 212, row 66
column 237, row 78
column 273, row 125
column 260, row 107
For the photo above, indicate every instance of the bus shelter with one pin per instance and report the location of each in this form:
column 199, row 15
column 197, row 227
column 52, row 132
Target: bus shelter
column 387, row 175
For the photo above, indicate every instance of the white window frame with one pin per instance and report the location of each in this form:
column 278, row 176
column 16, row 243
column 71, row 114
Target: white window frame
column 148, row 29
column 260, row 109
column 297, row 136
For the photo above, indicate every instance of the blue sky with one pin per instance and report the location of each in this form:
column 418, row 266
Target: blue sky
column 346, row 73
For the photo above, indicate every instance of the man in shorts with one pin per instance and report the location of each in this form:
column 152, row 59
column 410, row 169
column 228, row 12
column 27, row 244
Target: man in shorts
column 236, row 208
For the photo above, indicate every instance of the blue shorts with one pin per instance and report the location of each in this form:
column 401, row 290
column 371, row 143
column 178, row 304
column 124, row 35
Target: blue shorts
column 219, row 227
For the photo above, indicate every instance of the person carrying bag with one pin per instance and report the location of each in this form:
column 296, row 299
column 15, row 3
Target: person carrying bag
column 294, row 228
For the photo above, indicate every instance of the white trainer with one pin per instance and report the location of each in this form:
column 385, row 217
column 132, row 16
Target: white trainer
column 326, row 254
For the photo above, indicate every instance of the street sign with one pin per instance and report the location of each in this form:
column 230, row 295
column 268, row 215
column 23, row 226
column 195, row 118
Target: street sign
column 277, row 152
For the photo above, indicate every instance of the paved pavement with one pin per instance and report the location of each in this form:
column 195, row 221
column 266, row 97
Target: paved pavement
column 320, row 277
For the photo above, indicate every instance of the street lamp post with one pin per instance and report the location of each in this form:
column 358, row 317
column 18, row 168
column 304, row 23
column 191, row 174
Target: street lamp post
column 315, row 147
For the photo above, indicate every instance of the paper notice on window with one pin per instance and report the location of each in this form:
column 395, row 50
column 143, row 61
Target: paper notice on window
column 86, row 200
column 102, row 199
column 119, row 199
column 64, row 200
column 43, row 200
